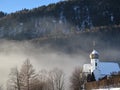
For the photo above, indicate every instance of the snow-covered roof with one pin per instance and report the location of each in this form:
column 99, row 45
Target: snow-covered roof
column 107, row 68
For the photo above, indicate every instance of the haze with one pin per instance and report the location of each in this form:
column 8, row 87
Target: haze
column 13, row 54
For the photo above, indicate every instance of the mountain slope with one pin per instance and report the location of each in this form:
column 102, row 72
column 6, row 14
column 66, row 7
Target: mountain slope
column 63, row 17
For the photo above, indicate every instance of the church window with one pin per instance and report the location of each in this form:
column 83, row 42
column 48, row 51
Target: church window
column 95, row 64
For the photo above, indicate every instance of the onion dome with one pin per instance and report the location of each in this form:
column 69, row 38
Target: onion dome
column 94, row 55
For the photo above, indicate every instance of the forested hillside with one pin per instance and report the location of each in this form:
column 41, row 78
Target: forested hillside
column 61, row 18
column 68, row 26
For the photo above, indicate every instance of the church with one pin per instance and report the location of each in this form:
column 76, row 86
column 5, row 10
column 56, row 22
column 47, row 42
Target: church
column 100, row 69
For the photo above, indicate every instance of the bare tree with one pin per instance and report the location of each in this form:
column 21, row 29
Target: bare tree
column 37, row 85
column 27, row 79
column 15, row 79
column 77, row 79
column 57, row 79
column 44, row 82
column 28, row 74
column 52, row 80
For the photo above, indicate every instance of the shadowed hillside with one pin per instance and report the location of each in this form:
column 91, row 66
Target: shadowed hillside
column 63, row 17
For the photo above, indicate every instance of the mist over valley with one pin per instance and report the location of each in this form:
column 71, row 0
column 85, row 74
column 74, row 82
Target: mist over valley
column 60, row 35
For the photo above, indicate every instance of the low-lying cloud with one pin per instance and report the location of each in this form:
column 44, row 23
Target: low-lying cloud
column 13, row 53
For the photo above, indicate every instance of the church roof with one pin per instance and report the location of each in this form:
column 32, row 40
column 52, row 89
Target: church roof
column 107, row 68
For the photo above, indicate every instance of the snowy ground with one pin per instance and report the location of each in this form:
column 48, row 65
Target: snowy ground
column 108, row 89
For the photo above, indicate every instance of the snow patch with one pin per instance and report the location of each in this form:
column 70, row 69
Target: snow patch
column 112, row 18
column 75, row 8
column 108, row 89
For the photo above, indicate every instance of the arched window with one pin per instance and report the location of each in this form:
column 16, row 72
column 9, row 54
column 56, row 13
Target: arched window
column 95, row 64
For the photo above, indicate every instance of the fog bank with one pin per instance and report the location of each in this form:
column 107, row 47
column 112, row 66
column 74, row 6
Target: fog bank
column 13, row 53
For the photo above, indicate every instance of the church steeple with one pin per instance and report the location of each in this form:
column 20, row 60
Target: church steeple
column 94, row 55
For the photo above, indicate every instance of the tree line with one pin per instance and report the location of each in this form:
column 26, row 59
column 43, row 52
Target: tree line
column 26, row 78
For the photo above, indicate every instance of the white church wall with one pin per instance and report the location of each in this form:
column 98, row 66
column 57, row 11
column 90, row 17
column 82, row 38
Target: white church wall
column 87, row 68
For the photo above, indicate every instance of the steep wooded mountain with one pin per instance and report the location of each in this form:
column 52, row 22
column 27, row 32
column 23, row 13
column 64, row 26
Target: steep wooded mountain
column 61, row 18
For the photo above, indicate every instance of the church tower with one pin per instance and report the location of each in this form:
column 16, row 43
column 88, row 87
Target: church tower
column 94, row 56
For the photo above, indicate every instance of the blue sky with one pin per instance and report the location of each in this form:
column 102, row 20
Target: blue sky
column 9, row 6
